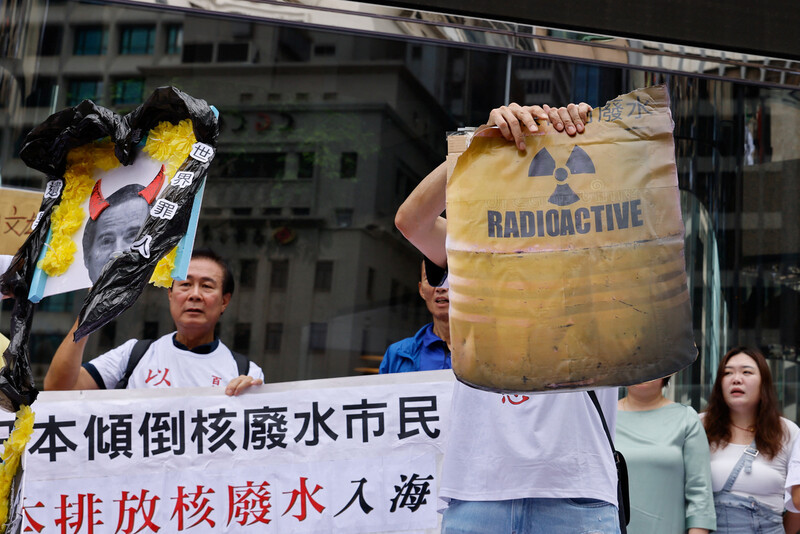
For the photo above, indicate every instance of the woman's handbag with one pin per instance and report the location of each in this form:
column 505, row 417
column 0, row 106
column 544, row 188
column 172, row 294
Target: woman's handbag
column 623, row 498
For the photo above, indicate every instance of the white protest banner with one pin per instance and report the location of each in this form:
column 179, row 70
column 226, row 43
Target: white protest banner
column 356, row 454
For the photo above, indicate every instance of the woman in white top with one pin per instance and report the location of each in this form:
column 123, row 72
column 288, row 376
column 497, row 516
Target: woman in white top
column 750, row 445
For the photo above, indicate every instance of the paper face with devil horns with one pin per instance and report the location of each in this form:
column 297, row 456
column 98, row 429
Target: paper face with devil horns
column 122, row 195
column 115, row 212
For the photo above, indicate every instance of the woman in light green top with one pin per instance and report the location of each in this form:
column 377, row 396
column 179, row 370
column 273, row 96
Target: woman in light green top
column 667, row 453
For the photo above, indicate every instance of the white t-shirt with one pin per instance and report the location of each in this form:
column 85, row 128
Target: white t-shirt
column 792, row 476
column 502, row 447
column 5, row 261
column 767, row 479
column 165, row 365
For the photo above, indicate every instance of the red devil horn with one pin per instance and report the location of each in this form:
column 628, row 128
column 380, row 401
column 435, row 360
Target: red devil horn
column 149, row 193
column 97, row 202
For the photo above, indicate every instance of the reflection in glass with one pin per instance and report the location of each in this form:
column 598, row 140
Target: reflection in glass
column 329, row 117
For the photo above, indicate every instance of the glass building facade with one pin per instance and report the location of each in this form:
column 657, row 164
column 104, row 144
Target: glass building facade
column 331, row 113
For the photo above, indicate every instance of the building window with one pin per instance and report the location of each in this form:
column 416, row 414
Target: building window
column 127, row 91
column 273, row 97
column 90, row 41
column 24, row 182
column 62, row 302
column 42, row 347
column 150, row 330
column 248, row 271
column 232, row 52
column 279, row 275
column 301, row 211
column 272, row 342
column 174, row 40
column 106, row 337
column 302, row 97
column 293, row 45
column 240, row 232
column 370, row 282
column 305, row 165
column 323, row 276
column 404, row 183
column 241, row 30
column 137, row 40
column 241, row 337
column 349, row 163
column 198, row 53
column 84, row 89
column 344, row 217
column 41, row 94
column 537, row 86
column 325, row 50
column 407, row 302
column 270, row 165
column 273, row 165
column 317, row 338
column 364, row 341
column 330, row 96
column 534, row 63
column 52, row 37
column 394, row 293
column 272, row 211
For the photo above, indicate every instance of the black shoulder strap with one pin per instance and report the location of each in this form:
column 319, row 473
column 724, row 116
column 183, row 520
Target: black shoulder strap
column 138, row 350
column 242, row 363
column 623, row 495
column 593, row 396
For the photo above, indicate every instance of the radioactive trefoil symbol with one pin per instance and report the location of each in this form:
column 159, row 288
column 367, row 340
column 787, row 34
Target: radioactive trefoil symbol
column 578, row 162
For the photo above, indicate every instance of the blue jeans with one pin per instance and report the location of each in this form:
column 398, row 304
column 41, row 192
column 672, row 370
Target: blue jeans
column 531, row 516
column 740, row 515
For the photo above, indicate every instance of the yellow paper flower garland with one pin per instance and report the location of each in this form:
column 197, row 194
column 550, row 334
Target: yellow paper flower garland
column 68, row 216
column 13, row 449
column 162, row 275
column 170, row 144
column 167, row 142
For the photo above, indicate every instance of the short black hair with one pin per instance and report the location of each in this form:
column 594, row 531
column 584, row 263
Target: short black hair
column 227, row 280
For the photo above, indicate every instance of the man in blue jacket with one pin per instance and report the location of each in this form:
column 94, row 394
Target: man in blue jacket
column 428, row 350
